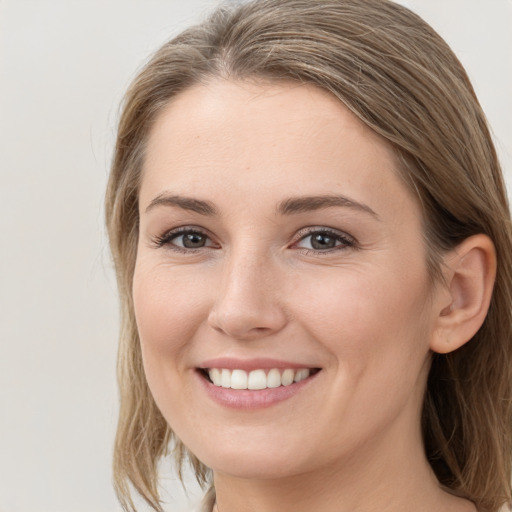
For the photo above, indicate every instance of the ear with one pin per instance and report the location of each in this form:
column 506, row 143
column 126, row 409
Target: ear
column 469, row 271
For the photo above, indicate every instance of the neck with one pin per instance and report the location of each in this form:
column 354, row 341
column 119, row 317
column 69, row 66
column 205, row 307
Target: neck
column 379, row 479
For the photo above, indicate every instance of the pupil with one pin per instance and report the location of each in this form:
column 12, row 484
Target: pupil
column 193, row 240
column 322, row 241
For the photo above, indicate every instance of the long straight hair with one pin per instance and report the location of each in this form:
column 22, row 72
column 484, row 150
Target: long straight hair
column 399, row 77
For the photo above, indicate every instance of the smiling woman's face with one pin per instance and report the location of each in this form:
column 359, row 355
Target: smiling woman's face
column 277, row 238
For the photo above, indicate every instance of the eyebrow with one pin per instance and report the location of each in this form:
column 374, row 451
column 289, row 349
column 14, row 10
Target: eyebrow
column 290, row 206
column 310, row 203
column 186, row 203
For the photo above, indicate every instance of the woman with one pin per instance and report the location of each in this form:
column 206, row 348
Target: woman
column 313, row 245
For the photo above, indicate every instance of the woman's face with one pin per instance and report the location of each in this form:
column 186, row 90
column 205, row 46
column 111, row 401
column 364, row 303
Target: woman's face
column 277, row 241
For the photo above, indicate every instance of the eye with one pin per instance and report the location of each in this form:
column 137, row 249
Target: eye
column 184, row 239
column 191, row 240
column 324, row 240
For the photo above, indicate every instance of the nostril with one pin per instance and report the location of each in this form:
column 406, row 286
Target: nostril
column 244, row 323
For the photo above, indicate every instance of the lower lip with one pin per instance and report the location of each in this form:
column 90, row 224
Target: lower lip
column 253, row 399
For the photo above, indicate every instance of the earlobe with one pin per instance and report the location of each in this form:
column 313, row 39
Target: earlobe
column 469, row 271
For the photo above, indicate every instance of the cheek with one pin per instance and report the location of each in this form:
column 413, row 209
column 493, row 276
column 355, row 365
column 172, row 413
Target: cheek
column 375, row 329
column 168, row 311
column 369, row 319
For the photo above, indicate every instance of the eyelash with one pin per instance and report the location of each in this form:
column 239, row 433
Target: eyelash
column 346, row 241
column 169, row 236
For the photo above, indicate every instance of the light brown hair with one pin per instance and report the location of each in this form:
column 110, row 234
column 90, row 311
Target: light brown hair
column 401, row 79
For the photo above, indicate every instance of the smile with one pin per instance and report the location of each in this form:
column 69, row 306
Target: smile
column 253, row 384
column 257, row 379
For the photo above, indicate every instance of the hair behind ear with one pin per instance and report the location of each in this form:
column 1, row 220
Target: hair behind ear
column 467, row 418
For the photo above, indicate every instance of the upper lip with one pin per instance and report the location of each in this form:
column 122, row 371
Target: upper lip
column 260, row 363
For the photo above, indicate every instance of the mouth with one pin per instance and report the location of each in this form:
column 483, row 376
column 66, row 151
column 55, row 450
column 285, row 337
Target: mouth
column 257, row 379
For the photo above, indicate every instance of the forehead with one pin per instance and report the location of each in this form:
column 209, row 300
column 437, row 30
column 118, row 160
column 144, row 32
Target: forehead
column 255, row 112
column 266, row 139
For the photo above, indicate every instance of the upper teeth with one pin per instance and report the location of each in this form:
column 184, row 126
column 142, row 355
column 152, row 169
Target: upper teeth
column 257, row 379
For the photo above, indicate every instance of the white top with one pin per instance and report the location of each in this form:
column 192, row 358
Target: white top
column 207, row 503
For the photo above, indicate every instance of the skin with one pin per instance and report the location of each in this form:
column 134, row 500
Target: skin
column 365, row 312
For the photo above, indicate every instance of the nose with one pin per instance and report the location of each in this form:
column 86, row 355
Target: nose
column 247, row 305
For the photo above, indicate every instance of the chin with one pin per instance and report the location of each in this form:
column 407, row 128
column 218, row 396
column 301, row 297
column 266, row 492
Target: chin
column 255, row 462
column 256, row 468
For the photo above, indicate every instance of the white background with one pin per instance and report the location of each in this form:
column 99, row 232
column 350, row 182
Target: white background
column 64, row 65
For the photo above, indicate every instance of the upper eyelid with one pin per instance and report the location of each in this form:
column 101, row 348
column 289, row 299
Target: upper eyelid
column 180, row 230
column 305, row 232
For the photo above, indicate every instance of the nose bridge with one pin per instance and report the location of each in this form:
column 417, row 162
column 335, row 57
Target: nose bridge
column 247, row 302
